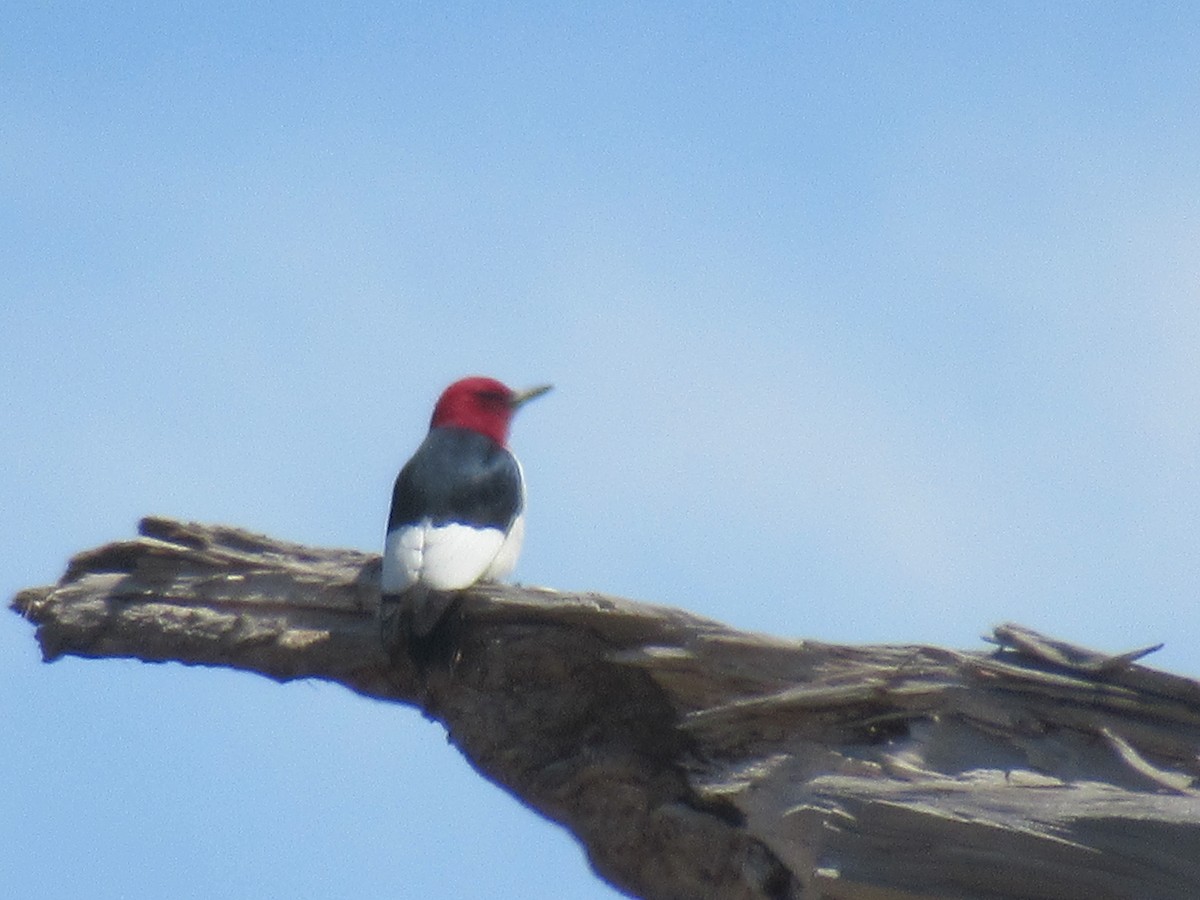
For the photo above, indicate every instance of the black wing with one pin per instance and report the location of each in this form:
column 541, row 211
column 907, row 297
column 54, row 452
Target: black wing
column 458, row 475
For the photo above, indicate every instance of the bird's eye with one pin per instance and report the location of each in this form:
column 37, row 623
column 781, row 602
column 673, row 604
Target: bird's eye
column 492, row 398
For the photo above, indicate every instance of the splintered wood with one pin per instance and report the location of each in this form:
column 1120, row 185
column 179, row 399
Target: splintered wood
column 693, row 760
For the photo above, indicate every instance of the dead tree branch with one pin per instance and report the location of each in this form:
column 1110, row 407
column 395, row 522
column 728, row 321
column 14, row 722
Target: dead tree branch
column 693, row 760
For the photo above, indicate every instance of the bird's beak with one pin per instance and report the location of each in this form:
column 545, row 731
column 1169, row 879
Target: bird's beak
column 520, row 398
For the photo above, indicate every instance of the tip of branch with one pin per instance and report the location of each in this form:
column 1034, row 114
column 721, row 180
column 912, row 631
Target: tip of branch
column 1072, row 657
column 27, row 603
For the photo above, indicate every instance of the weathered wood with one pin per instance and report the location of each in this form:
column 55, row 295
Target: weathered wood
column 693, row 760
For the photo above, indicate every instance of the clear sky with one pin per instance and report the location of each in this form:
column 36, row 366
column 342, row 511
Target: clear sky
column 869, row 323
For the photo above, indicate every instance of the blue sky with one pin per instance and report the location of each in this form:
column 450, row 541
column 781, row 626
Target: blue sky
column 869, row 323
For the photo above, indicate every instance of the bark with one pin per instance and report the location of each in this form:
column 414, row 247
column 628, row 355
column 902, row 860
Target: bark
column 694, row 760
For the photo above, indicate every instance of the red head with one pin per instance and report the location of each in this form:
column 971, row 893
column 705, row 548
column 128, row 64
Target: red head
column 481, row 404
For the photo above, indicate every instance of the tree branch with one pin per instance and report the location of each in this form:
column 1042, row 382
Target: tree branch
column 691, row 759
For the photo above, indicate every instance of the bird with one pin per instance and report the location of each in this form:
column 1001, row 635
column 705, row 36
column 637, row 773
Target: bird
column 458, row 507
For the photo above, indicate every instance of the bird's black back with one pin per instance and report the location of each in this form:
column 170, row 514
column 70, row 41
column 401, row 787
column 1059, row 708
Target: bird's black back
column 458, row 475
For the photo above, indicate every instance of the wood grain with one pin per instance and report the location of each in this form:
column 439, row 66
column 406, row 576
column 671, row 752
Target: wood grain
column 694, row 760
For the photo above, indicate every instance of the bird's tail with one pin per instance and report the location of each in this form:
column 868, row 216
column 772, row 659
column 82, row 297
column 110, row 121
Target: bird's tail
column 407, row 620
column 395, row 623
column 428, row 608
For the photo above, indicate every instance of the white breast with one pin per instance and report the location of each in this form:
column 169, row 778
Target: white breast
column 506, row 558
column 447, row 557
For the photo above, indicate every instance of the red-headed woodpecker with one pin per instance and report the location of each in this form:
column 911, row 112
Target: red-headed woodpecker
column 458, row 507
